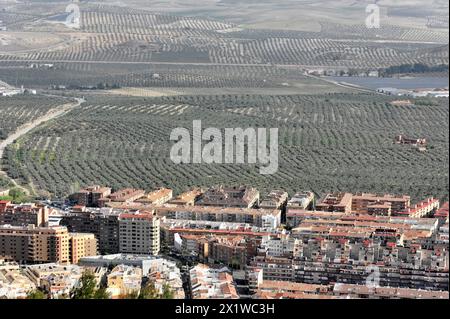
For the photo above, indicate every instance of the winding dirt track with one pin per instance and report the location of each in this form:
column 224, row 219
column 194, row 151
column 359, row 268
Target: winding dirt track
column 27, row 127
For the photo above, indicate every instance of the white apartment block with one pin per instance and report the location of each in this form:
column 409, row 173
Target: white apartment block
column 139, row 234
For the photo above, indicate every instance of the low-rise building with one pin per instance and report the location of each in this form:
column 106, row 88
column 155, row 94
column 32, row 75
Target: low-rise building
column 157, row 197
column 13, row 283
column 57, row 280
column 188, row 198
column 365, row 292
column 336, row 202
column 124, row 280
column 301, row 200
column 90, row 196
column 210, row 283
column 276, row 199
column 244, row 197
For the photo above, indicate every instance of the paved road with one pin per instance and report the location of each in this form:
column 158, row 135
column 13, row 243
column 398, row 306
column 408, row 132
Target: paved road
column 27, row 127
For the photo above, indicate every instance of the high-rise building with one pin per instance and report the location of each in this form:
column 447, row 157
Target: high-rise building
column 32, row 244
column 103, row 223
column 81, row 245
column 139, row 233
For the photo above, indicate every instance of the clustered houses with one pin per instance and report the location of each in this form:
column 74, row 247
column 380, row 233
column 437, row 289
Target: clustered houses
column 325, row 250
column 157, row 270
column 211, row 283
column 13, row 283
column 338, row 247
column 124, row 280
column 272, row 289
column 55, row 279
column 120, row 274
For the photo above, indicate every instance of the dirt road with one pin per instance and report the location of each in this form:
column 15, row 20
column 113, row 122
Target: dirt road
column 27, row 127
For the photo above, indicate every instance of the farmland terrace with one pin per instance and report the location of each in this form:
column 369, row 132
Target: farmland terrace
column 328, row 142
column 131, row 43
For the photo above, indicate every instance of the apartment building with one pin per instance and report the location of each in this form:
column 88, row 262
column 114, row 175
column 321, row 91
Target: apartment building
column 271, row 289
column 90, row 196
column 127, row 195
column 324, row 273
column 301, row 200
column 336, row 202
column 139, row 233
column 276, row 199
column 442, row 212
column 365, row 203
column 192, row 245
column 244, row 197
column 258, row 217
column 295, row 216
column 188, row 198
column 364, row 292
column 30, row 244
column 422, row 209
column 103, row 223
column 23, row 214
column 157, row 197
column 229, row 250
column 81, row 245
column 283, row 246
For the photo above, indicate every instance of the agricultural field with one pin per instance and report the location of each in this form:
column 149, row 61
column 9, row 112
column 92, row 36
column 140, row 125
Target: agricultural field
column 336, row 141
column 146, row 67
column 21, row 109
column 129, row 36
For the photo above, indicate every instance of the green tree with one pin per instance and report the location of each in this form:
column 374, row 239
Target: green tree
column 101, row 293
column 17, row 195
column 36, row 294
column 167, row 292
column 88, row 288
column 149, row 292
